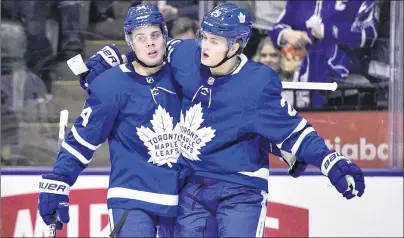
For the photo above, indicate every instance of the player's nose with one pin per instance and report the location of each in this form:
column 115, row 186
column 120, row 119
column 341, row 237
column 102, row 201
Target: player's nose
column 150, row 42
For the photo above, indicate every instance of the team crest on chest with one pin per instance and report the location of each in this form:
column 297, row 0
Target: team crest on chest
column 163, row 140
column 149, row 80
column 193, row 137
column 211, row 80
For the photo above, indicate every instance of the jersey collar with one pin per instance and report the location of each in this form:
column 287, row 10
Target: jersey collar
column 213, row 81
column 145, row 80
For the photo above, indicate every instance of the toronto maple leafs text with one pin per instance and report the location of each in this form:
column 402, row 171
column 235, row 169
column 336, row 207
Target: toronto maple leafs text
column 189, row 139
column 166, row 145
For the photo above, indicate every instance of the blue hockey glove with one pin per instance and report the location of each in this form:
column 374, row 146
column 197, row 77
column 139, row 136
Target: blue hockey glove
column 108, row 57
column 53, row 197
column 345, row 175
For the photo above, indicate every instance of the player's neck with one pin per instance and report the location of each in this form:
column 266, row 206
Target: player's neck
column 145, row 71
column 227, row 67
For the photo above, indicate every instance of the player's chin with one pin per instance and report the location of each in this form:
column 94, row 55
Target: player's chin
column 153, row 61
column 208, row 62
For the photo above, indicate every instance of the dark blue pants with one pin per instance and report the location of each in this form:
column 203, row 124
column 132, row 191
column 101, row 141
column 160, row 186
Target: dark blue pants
column 213, row 208
column 140, row 223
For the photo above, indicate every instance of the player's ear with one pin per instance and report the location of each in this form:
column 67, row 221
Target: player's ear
column 236, row 46
column 129, row 40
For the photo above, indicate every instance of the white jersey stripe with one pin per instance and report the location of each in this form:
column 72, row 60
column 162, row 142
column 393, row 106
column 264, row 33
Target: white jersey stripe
column 75, row 153
column 156, row 198
column 296, row 146
column 82, row 141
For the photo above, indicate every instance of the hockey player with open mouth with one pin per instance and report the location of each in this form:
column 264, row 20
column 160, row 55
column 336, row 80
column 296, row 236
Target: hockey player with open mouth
column 135, row 107
column 231, row 108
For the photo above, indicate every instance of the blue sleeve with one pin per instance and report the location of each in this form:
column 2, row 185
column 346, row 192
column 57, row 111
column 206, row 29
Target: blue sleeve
column 179, row 51
column 285, row 21
column 89, row 130
column 171, row 47
column 358, row 34
column 279, row 122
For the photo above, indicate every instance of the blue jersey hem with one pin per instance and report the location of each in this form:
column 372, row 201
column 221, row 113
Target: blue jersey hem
column 159, row 210
column 254, row 182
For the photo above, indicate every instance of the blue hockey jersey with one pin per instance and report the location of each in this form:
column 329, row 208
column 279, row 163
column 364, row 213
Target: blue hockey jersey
column 348, row 25
column 227, row 122
column 139, row 116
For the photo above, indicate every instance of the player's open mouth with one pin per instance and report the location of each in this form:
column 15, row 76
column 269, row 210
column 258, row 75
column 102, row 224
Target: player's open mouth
column 204, row 55
column 153, row 53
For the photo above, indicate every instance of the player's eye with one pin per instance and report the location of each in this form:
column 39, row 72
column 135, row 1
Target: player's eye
column 140, row 38
column 155, row 35
column 214, row 42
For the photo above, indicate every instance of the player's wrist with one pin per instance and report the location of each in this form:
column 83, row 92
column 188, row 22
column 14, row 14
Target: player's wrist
column 111, row 55
column 66, row 168
column 51, row 183
column 330, row 161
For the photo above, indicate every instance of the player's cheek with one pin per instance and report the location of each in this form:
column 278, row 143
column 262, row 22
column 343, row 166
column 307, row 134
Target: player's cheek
column 220, row 53
column 163, row 49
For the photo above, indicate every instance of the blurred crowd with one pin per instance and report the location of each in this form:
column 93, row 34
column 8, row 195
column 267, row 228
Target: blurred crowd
column 37, row 36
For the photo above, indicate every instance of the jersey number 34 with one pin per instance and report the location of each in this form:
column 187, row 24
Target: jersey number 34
column 85, row 114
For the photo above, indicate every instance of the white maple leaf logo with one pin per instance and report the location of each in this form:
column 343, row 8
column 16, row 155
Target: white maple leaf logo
column 193, row 138
column 241, row 17
column 163, row 143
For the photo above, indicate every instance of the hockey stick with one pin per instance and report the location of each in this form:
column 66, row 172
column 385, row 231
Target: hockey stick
column 310, row 86
column 351, row 184
column 77, row 65
column 64, row 116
